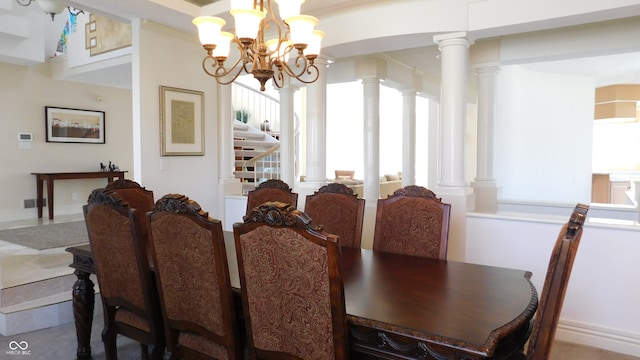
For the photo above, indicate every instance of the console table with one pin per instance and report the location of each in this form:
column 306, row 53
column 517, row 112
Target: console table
column 50, row 177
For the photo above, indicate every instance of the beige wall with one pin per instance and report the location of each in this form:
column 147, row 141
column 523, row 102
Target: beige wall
column 24, row 93
column 173, row 58
column 169, row 58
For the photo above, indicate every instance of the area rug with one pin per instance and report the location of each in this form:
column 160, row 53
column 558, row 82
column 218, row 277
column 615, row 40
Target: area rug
column 48, row 236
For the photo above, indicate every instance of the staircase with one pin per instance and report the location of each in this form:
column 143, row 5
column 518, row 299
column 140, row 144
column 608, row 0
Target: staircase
column 257, row 155
column 35, row 289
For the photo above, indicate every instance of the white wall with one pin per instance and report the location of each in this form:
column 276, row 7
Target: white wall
column 172, row 58
column 543, row 136
column 24, row 92
column 600, row 308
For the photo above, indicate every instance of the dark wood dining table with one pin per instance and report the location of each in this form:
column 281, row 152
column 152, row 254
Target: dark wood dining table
column 398, row 307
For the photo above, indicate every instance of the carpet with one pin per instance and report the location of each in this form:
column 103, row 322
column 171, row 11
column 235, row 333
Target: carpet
column 48, row 236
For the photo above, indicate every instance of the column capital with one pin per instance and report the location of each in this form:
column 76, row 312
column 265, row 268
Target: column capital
column 486, row 67
column 324, row 61
column 457, row 38
column 409, row 92
column 370, row 79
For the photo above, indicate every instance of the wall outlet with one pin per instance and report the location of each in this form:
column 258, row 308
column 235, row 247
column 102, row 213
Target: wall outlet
column 74, row 196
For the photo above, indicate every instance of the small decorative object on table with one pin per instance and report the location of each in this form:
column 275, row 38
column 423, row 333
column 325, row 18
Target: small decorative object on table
column 109, row 168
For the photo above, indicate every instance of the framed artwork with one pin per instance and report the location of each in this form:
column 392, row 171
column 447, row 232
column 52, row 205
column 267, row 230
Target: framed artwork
column 74, row 125
column 181, row 121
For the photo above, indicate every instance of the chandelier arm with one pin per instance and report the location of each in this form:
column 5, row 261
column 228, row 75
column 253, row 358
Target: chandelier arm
column 221, row 81
column 221, row 71
column 303, row 67
column 309, row 72
column 24, row 2
column 248, row 57
column 278, row 79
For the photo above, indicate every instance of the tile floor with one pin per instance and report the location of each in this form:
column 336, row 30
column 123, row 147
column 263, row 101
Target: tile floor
column 59, row 343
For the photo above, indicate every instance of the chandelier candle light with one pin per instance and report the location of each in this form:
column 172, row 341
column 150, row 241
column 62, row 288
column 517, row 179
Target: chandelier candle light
column 265, row 59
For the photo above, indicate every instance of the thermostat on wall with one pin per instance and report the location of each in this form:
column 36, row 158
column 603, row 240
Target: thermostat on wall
column 24, row 140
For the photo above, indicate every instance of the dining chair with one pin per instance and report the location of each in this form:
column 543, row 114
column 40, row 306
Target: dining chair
column 412, row 221
column 137, row 196
column 192, row 274
column 271, row 190
column 339, row 211
column 554, row 289
column 291, row 286
column 127, row 288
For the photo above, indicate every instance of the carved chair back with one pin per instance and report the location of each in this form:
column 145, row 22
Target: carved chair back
column 555, row 285
column 542, row 329
column 271, row 190
column 192, row 274
column 137, row 196
column 290, row 277
column 412, row 221
column 338, row 211
column 127, row 288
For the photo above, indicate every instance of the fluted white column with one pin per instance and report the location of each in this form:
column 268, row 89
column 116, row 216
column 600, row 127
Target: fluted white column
column 484, row 184
column 453, row 102
column 371, row 90
column 408, row 137
column 225, row 133
column 227, row 183
column 433, row 143
column 317, row 126
column 452, row 186
column 287, row 135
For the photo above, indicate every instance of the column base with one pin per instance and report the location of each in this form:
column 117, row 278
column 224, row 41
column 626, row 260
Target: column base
column 461, row 200
column 486, row 193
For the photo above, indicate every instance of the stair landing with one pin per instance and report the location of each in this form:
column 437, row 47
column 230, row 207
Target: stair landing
column 35, row 286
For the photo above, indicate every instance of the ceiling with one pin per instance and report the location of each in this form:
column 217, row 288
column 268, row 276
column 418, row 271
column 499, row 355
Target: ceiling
column 606, row 70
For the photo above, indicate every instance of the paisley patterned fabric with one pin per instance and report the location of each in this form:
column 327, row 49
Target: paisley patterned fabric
column 410, row 226
column 271, row 190
column 112, row 244
column 337, row 214
column 201, row 344
column 287, row 287
column 193, row 280
column 131, row 306
column 190, row 293
column 136, row 196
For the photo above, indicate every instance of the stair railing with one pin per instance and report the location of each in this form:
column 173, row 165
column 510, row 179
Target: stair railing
column 265, row 165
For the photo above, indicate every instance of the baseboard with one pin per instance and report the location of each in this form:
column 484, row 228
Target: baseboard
column 595, row 336
column 26, row 214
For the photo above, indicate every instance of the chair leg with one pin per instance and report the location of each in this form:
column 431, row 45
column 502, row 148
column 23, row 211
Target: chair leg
column 144, row 351
column 109, row 340
column 157, row 352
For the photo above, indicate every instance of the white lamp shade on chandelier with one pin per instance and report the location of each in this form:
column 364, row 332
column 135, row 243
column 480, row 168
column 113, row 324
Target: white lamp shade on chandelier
column 264, row 59
column 51, row 7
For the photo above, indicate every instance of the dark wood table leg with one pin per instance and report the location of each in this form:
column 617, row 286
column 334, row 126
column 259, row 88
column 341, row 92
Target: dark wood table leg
column 50, row 196
column 83, row 304
column 39, row 197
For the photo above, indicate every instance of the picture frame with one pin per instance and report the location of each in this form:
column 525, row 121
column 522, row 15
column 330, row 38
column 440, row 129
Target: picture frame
column 65, row 125
column 181, row 122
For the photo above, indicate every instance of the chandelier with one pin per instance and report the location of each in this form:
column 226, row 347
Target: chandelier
column 292, row 36
column 51, row 7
